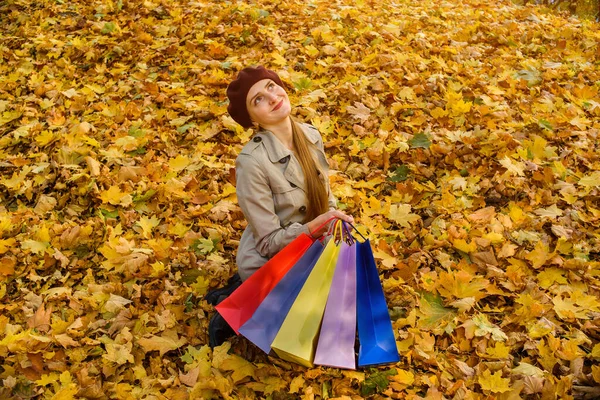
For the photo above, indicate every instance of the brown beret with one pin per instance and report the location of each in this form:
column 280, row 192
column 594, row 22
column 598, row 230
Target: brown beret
column 238, row 90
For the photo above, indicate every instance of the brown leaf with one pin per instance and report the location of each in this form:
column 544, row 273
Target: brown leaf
column 41, row 319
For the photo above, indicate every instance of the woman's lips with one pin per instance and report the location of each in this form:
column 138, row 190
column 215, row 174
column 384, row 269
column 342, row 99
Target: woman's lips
column 278, row 106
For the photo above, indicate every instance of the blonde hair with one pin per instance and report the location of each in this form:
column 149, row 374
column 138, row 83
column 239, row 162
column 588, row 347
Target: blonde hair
column 316, row 191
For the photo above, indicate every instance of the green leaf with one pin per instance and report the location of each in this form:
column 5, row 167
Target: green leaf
column 420, row 140
column 109, row 214
column 542, row 123
column 184, row 128
column 136, row 131
column 532, row 76
column 109, row 27
column 376, row 382
column 433, row 313
column 203, row 246
column 303, row 83
column 400, row 174
column 139, row 198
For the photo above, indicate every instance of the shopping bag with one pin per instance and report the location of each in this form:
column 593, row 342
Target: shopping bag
column 297, row 337
column 264, row 324
column 241, row 304
column 338, row 330
column 375, row 332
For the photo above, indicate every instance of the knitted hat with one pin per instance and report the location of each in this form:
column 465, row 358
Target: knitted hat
column 238, row 90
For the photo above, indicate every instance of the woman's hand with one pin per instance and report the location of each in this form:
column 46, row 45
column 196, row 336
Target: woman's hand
column 323, row 218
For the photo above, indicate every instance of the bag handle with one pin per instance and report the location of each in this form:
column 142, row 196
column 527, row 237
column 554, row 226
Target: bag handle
column 356, row 230
column 320, row 226
column 349, row 238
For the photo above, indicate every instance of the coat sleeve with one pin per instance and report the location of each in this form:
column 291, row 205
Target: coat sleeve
column 256, row 201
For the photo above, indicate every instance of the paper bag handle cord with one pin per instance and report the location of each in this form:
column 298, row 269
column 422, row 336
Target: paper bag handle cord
column 356, row 230
column 322, row 225
column 349, row 238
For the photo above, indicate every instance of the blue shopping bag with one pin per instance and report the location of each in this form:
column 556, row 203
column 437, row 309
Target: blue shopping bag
column 375, row 332
column 264, row 324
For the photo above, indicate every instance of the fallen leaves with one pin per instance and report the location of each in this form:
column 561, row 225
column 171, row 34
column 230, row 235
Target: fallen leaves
column 462, row 137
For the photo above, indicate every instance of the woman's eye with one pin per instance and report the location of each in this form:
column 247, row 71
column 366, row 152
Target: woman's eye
column 257, row 100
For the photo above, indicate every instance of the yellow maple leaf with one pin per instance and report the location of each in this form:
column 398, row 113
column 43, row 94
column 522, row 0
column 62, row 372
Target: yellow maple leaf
column 550, row 276
column 115, row 196
column 461, row 284
column 158, row 268
column 567, row 309
column 297, row 384
column 47, row 379
column 539, row 255
column 6, row 244
column 587, row 301
column 527, row 369
column 44, row 138
column 8, row 116
column 43, row 234
column 118, row 353
column 311, row 50
column 499, row 351
column 407, row 93
column 200, row 287
column 179, row 229
column 438, row 113
column 403, row 377
column 550, row 212
column 161, row 343
column 240, row 367
column 179, row 163
column 35, row 246
column 591, row 180
column 462, row 245
column 513, row 168
column 456, row 105
column 115, row 303
column 387, row 260
column 494, row 383
column 595, row 353
column 147, row 224
column 401, row 214
column 494, row 237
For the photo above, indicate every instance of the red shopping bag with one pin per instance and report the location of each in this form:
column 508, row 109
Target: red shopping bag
column 241, row 304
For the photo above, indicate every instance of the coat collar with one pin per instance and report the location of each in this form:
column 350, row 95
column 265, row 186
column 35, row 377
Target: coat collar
column 276, row 150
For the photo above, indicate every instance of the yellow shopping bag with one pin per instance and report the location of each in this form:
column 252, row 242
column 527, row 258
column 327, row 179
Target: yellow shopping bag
column 297, row 338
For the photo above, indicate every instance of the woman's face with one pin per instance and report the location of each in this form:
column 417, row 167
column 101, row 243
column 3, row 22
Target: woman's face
column 267, row 103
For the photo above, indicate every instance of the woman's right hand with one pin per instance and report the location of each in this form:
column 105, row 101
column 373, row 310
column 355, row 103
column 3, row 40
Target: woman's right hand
column 323, row 218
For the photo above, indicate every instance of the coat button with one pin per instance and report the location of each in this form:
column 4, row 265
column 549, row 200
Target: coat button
column 257, row 139
column 284, row 160
column 302, row 209
column 293, row 185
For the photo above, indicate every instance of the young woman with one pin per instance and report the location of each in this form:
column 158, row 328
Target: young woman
column 281, row 176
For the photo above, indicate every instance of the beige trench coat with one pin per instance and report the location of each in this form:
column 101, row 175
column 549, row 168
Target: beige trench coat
column 271, row 193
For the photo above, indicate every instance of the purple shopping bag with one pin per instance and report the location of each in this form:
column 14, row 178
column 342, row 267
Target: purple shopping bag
column 338, row 331
column 264, row 324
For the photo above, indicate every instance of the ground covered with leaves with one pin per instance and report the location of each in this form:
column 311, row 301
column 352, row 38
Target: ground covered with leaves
column 463, row 136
